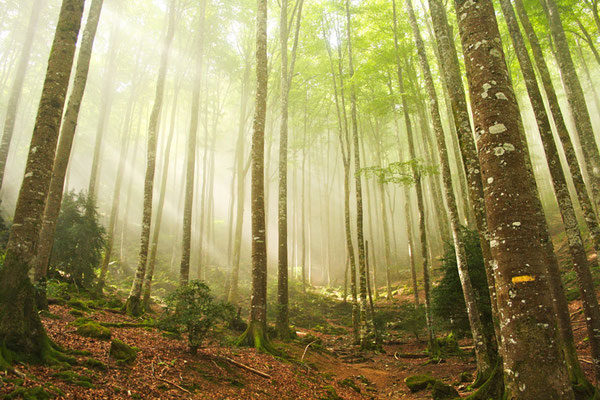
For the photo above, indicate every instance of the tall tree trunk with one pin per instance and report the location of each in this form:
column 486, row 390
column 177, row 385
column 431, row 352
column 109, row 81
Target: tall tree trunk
column 17, row 86
column 525, row 309
column 147, row 285
column 104, row 112
column 241, row 185
column 190, row 168
column 63, row 152
column 256, row 334
column 575, row 98
column 482, row 352
column 358, row 183
column 418, row 185
column 574, row 238
column 21, row 330
column 133, row 305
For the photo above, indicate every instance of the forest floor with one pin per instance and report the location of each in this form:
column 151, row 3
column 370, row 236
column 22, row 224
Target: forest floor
column 330, row 368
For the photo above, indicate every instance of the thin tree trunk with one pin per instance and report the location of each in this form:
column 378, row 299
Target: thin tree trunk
column 482, row 352
column 17, row 86
column 134, row 306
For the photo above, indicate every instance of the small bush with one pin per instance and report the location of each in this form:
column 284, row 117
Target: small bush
column 191, row 309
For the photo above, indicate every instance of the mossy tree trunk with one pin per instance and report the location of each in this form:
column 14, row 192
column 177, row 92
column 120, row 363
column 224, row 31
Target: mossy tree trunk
column 527, row 321
column 63, row 152
column 21, row 330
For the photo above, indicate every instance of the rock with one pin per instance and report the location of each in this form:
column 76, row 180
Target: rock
column 122, row 352
column 441, row 391
column 94, row 330
column 419, row 382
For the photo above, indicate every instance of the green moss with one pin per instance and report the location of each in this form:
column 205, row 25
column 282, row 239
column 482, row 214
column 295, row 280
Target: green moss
column 255, row 336
column 349, row 382
column 330, row 394
column 74, row 379
column 419, row 382
column 94, row 330
column 122, row 352
column 78, row 304
column 96, row 364
column 441, row 391
column 48, row 314
column 76, row 313
column 31, row 393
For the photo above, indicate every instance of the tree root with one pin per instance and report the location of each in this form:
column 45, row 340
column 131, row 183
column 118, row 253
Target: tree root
column 255, row 336
column 133, row 306
column 492, row 388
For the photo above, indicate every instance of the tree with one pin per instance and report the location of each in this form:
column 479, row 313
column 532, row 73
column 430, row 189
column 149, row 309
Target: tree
column 526, row 316
column 485, row 363
column 283, row 328
column 184, row 270
column 21, row 330
column 63, row 152
column 133, row 305
column 256, row 333
column 17, row 87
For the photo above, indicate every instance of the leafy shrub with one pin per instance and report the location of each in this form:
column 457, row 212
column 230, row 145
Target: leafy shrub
column 448, row 303
column 78, row 241
column 190, row 309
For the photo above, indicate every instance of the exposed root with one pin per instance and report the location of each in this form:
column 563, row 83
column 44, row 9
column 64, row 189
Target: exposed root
column 492, row 388
column 255, row 336
column 133, row 306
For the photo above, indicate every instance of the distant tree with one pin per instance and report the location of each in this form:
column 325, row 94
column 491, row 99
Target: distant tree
column 21, row 330
column 17, row 86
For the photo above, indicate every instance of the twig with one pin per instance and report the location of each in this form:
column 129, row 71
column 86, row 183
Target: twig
column 217, row 365
column 305, row 349
column 240, row 365
column 586, row 361
column 169, row 382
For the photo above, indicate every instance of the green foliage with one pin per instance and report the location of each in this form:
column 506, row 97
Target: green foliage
column 401, row 173
column 191, row 309
column 447, row 300
column 78, row 241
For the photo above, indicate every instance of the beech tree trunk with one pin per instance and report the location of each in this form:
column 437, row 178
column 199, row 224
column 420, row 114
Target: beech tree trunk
column 133, row 305
column 527, row 320
column 364, row 324
column 418, row 185
column 21, row 330
column 574, row 237
column 17, row 86
column 256, row 334
column 482, row 352
column 63, row 152
column 575, row 98
column 190, row 169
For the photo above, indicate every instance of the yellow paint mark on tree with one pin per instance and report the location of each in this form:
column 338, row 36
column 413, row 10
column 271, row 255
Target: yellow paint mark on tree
column 523, row 278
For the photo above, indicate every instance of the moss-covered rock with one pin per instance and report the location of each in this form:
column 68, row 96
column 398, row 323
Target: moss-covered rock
column 441, row 391
column 75, row 379
column 94, row 330
column 419, row 382
column 122, row 352
column 96, row 364
column 78, row 305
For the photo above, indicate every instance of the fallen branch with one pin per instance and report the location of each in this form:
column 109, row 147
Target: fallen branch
column 305, row 349
column 247, row 368
column 169, row 382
